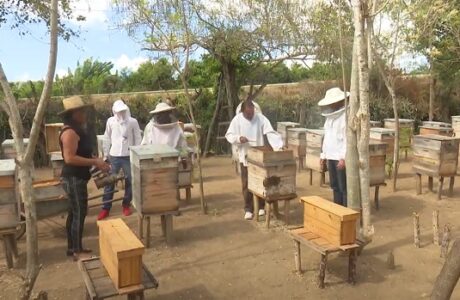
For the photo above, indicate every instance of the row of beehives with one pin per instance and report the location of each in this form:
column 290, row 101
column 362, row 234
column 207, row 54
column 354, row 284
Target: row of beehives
column 156, row 176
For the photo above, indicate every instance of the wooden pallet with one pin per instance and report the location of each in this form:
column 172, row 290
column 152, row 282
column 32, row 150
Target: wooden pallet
column 324, row 247
column 100, row 286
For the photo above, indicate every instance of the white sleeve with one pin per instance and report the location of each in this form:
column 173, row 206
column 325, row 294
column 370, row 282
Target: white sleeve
column 274, row 138
column 147, row 134
column 137, row 133
column 232, row 134
column 343, row 149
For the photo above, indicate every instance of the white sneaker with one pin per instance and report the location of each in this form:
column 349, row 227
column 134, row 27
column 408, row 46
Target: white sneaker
column 261, row 212
column 248, row 215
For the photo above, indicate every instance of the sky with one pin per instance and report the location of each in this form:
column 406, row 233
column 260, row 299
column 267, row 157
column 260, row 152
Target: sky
column 26, row 57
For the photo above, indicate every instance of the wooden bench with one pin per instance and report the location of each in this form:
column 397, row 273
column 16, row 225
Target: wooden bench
column 273, row 201
column 322, row 246
column 9, row 245
column 166, row 226
column 100, row 286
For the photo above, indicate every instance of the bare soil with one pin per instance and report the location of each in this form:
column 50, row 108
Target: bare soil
column 222, row 256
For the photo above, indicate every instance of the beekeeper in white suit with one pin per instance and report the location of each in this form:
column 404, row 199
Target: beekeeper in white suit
column 246, row 130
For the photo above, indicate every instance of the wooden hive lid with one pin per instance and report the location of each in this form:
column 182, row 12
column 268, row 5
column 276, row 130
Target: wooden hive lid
column 436, row 124
column 407, row 121
column 10, row 142
column 437, row 128
column 288, row 124
column 383, row 130
column 436, row 137
column 54, row 125
column 316, row 131
column 123, row 241
column 298, row 129
column 344, row 213
column 151, row 151
column 456, row 118
column 7, row 167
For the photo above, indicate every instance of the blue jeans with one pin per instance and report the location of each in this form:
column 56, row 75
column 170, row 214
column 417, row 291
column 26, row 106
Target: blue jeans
column 338, row 181
column 119, row 163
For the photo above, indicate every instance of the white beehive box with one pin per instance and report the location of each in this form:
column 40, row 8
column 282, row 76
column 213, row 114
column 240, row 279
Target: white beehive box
column 9, row 215
column 154, row 170
column 313, row 151
column 283, row 127
column 9, row 152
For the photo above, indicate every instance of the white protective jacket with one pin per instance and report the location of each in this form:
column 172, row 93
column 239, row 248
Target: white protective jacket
column 335, row 136
column 165, row 134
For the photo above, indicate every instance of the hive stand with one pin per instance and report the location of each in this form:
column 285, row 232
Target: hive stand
column 100, row 286
column 418, row 184
column 188, row 193
column 274, row 201
column 9, row 245
column 377, row 195
column 322, row 246
column 322, row 180
column 166, row 226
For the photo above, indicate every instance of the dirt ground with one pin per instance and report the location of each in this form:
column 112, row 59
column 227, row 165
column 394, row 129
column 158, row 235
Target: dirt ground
column 222, row 256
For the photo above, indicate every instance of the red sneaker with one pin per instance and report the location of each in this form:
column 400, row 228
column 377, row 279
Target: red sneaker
column 126, row 211
column 103, row 214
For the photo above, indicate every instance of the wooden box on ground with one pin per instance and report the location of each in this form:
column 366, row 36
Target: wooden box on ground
column 283, row 127
column 435, row 155
column 52, row 132
column 297, row 141
column 9, row 215
column 333, row 222
column 8, row 149
column 406, row 129
column 386, row 136
column 271, row 174
column 440, row 128
column 154, row 170
column 377, row 154
column 375, row 124
column 313, row 150
column 121, row 253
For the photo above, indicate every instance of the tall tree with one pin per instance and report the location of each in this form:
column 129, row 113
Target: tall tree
column 24, row 158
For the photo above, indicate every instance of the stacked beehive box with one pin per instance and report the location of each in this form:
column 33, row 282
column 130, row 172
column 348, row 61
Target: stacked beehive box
column 185, row 173
column 375, row 124
column 313, row 150
column 435, row 155
column 297, row 142
column 283, row 127
column 438, row 128
column 8, row 149
column 121, row 253
column 377, row 152
column 406, row 129
column 9, row 215
column 52, row 132
column 57, row 162
column 154, row 170
column 386, row 136
column 333, row 222
column 271, row 174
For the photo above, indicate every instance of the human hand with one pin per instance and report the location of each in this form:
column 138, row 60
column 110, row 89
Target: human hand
column 243, row 140
column 322, row 162
column 102, row 165
column 341, row 164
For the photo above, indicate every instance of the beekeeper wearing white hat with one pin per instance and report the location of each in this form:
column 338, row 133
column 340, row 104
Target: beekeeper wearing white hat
column 335, row 142
column 121, row 132
column 164, row 129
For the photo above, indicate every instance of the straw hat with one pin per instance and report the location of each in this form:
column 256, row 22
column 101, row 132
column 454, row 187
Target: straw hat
column 162, row 107
column 333, row 95
column 73, row 103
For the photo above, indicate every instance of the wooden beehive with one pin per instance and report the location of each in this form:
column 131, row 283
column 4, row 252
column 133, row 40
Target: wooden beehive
column 50, row 198
column 406, row 129
column 377, row 153
column 375, row 124
column 9, row 215
column 333, row 222
column 283, row 127
column 185, row 173
column 313, row 149
column 57, row 163
column 439, row 128
column 154, row 170
column 121, row 253
column 386, row 136
column 9, row 152
column 52, row 132
column 435, row 155
column 271, row 174
column 297, row 141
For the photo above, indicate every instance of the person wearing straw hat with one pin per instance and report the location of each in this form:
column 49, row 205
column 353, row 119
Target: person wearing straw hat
column 335, row 142
column 77, row 151
column 165, row 129
column 247, row 129
column 121, row 132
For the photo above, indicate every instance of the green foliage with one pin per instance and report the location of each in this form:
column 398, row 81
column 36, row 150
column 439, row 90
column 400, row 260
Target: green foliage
column 150, row 76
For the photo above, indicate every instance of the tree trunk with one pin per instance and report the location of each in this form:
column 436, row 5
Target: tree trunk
column 449, row 275
column 231, row 87
column 432, row 95
column 359, row 12
column 220, row 95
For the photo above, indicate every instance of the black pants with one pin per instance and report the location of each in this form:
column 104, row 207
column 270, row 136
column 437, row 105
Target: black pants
column 77, row 194
column 247, row 195
column 338, row 182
